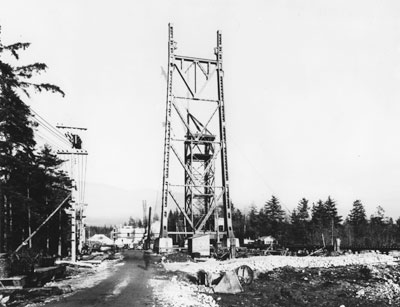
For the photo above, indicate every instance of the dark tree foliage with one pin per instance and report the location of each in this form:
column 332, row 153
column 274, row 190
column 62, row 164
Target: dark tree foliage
column 356, row 225
column 304, row 229
column 325, row 221
column 105, row 230
column 324, row 225
column 173, row 218
column 357, row 216
column 238, row 223
column 272, row 218
column 319, row 215
column 303, row 210
column 253, row 223
column 176, row 223
column 331, row 211
column 49, row 187
column 300, row 223
column 30, row 184
column 131, row 222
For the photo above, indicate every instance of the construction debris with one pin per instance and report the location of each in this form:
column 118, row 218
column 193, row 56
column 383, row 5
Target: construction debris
column 75, row 263
column 229, row 283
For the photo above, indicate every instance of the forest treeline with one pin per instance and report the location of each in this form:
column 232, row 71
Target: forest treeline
column 32, row 183
column 317, row 224
column 312, row 224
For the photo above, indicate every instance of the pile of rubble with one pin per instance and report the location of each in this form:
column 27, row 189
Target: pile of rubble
column 383, row 284
column 177, row 257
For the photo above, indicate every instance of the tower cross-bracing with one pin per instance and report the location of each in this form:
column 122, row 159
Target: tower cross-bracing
column 195, row 170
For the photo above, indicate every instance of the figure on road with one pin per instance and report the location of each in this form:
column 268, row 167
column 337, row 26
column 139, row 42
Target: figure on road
column 146, row 258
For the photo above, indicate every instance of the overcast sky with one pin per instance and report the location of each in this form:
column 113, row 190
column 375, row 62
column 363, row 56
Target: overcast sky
column 311, row 89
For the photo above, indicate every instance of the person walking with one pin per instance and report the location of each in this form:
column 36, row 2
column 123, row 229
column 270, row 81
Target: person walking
column 146, row 258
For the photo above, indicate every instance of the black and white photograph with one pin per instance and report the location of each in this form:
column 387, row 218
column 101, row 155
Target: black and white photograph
column 226, row 153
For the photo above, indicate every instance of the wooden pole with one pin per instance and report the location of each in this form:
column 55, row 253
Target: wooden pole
column 148, row 229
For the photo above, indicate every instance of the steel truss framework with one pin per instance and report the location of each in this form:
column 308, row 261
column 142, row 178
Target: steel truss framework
column 202, row 148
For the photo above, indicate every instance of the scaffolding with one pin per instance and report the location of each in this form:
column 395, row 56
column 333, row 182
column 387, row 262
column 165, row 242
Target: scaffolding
column 195, row 169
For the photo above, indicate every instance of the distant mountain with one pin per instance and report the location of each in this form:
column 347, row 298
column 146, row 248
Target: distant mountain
column 110, row 205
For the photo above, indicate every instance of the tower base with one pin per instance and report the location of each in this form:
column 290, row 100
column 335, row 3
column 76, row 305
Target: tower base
column 163, row 245
column 231, row 244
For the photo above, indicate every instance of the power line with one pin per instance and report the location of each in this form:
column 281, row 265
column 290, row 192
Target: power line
column 45, row 141
column 50, row 128
column 48, row 141
column 52, row 132
column 56, row 131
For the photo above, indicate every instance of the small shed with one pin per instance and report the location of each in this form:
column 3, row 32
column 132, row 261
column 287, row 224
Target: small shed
column 267, row 240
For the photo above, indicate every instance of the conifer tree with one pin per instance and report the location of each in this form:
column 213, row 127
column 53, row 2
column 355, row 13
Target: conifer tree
column 331, row 211
column 253, row 223
column 272, row 217
column 17, row 144
column 357, row 216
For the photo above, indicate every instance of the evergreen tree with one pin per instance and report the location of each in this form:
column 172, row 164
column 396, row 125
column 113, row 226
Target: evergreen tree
column 356, row 224
column 331, row 211
column 301, row 213
column 52, row 186
column 272, row 217
column 273, row 210
column 252, row 223
column 131, row 222
column 238, row 223
column 303, row 210
column 357, row 216
column 17, row 143
column 299, row 220
column 319, row 216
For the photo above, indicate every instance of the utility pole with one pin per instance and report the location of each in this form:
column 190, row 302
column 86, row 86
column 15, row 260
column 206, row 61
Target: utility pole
column 76, row 212
column 148, row 229
column 73, row 227
column 144, row 203
column 59, row 233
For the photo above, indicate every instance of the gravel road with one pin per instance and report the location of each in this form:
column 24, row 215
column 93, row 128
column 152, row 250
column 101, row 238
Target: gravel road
column 126, row 286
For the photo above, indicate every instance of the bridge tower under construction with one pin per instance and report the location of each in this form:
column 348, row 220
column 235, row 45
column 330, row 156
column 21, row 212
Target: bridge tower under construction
column 195, row 168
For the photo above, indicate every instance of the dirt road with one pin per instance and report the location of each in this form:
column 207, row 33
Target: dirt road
column 126, row 286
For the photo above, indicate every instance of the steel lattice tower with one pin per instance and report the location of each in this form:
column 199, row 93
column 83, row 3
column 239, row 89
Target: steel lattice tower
column 195, row 140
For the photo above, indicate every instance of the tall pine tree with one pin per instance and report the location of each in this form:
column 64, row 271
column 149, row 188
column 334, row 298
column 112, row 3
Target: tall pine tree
column 17, row 144
column 272, row 217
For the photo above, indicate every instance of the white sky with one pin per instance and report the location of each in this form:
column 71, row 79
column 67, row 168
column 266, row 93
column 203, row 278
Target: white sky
column 311, row 89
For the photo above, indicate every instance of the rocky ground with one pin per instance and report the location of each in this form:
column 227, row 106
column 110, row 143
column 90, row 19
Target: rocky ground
column 369, row 279
column 353, row 285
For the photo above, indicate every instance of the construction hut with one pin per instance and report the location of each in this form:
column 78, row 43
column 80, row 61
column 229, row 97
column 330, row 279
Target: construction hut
column 268, row 240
